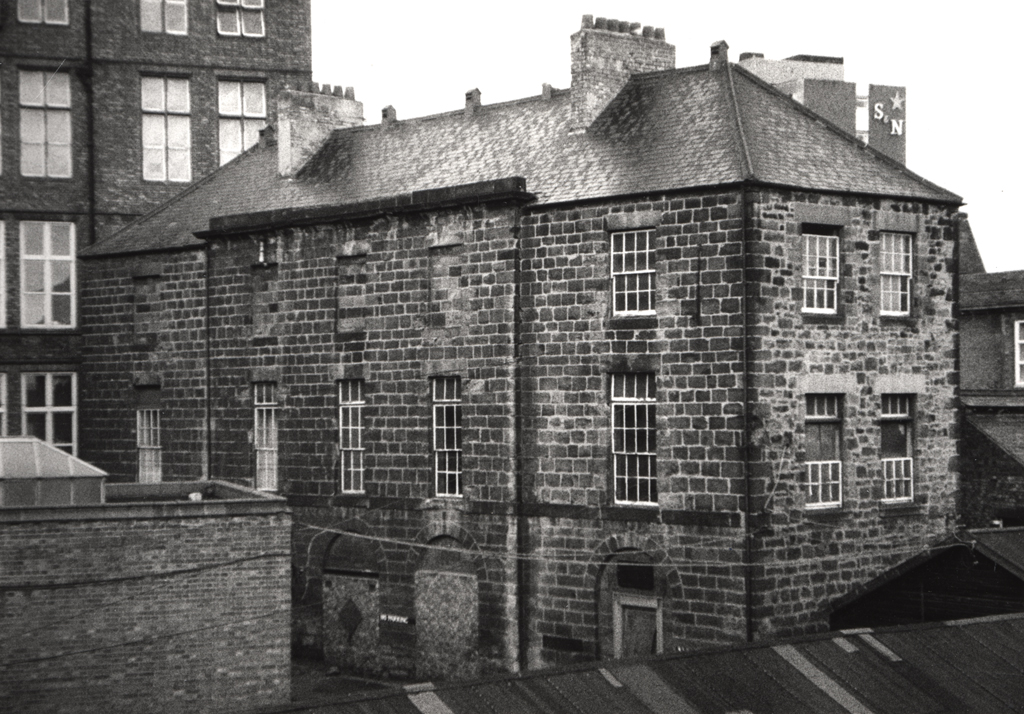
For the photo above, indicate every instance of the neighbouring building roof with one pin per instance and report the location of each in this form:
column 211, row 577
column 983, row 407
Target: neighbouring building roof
column 1005, row 430
column 1004, row 546
column 23, row 457
column 964, row 666
column 986, row 291
column 669, row 130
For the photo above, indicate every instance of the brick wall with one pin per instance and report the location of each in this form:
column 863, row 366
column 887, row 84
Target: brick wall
column 993, row 482
column 168, row 607
column 144, row 328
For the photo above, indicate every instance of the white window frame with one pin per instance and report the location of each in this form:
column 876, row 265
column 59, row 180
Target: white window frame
column 3, row 274
column 634, row 437
column 45, row 12
column 896, row 272
column 634, row 276
column 245, row 120
column 898, row 472
column 47, row 97
column 1018, row 352
column 167, row 11
column 351, row 450
column 160, row 115
column 821, row 273
column 49, row 409
column 239, row 10
column 265, row 407
column 824, row 479
column 3, row 404
column 147, row 424
column 49, row 260
column 645, row 602
column 446, row 398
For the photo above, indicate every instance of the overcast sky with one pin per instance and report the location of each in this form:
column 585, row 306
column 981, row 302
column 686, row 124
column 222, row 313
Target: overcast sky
column 956, row 60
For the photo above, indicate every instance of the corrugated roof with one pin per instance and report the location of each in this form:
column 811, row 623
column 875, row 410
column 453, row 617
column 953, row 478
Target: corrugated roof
column 677, row 129
column 964, row 666
column 984, row 291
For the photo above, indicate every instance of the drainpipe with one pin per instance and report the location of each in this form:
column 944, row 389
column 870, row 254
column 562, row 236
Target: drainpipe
column 208, row 256
column 748, row 547
column 87, row 75
column 522, row 527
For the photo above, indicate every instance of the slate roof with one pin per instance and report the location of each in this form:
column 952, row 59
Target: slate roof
column 670, row 130
column 964, row 666
column 1004, row 546
column 1005, row 430
column 987, row 291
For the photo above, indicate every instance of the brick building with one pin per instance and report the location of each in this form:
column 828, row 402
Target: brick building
column 107, row 109
column 661, row 359
column 148, row 601
column 992, row 359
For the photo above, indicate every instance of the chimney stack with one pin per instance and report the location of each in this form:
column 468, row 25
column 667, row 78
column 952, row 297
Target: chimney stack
column 605, row 53
column 719, row 55
column 305, row 118
column 472, row 102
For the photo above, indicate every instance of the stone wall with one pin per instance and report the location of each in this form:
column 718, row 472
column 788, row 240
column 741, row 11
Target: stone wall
column 517, row 303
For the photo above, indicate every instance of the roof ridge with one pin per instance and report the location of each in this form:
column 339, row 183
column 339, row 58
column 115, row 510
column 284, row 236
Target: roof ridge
column 749, row 165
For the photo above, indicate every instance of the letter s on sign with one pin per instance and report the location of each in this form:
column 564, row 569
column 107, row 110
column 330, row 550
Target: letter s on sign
column 879, row 110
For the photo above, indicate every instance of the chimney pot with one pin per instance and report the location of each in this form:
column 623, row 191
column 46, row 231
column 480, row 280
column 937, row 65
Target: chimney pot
column 601, row 23
column 545, row 91
column 648, row 31
column 326, row 89
column 350, row 93
column 659, row 33
column 588, row 22
column 388, row 115
column 633, row 27
column 339, row 91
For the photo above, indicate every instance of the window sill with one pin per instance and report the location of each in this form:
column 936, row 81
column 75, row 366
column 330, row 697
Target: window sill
column 825, row 512
column 894, row 509
column 897, row 320
column 822, row 318
column 632, row 322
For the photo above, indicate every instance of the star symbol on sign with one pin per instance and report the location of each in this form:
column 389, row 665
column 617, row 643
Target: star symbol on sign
column 897, row 102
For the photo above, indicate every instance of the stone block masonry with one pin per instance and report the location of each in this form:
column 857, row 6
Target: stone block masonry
column 165, row 606
column 517, row 301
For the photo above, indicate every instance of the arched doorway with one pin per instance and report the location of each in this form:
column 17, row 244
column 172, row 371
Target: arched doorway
column 351, row 604
column 630, row 599
column 447, row 612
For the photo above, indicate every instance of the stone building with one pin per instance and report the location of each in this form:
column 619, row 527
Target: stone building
column 661, row 359
column 107, row 109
